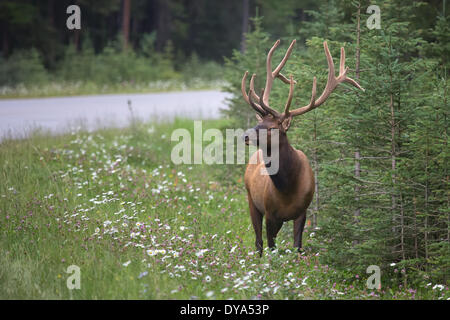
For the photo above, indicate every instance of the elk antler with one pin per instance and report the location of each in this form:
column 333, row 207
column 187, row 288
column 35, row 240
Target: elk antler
column 332, row 83
column 247, row 97
column 263, row 106
column 270, row 76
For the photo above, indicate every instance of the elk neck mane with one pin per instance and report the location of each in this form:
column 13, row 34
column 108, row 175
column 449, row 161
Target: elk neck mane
column 289, row 166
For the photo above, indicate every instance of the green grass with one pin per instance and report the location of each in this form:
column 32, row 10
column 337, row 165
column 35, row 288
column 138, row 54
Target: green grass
column 106, row 201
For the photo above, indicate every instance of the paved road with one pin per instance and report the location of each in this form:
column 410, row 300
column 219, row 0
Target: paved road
column 20, row 116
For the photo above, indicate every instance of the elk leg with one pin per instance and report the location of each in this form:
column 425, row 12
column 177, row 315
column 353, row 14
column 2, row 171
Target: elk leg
column 272, row 228
column 299, row 225
column 256, row 217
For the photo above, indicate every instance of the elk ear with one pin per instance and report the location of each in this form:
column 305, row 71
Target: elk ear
column 259, row 118
column 286, row 123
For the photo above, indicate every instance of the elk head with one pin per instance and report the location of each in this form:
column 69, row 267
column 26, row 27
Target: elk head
column 270, row 119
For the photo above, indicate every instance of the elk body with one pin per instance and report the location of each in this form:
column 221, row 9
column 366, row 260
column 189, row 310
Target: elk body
column 286, row 194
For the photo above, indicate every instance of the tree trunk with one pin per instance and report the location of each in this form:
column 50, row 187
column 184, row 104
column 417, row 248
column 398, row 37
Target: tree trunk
column 316, row 174
column 163, row 25
column 245, row 7
column 446, row 145
column 416, row 246
column 392, row 123
column 76, row 35
column 357, row 153
column 402, row 238
column 426, row 202
column 76, row 39
column 51, row 22
column 126, row 23
column 393, row 153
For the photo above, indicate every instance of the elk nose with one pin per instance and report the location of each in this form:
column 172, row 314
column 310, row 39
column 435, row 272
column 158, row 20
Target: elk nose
column 246, row 138
column 249, row 135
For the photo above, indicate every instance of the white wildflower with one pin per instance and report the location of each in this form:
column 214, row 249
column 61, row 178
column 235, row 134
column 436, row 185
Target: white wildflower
column 126, row 263
column 438, row 286
column 201, row 252
column 304, row 281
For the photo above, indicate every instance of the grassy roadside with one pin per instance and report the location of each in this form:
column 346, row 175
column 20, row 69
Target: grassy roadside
column 140, row 227
column 58, row 89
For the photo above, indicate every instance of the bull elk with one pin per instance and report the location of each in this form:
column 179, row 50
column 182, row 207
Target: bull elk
column 286, row 194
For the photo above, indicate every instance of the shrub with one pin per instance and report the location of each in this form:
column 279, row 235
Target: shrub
column 23, row 67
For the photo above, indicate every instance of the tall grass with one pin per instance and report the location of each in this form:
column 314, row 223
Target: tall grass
column 112, row 203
